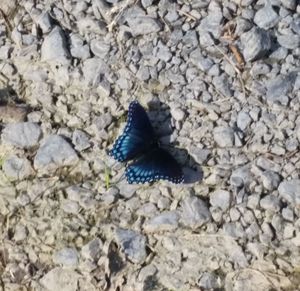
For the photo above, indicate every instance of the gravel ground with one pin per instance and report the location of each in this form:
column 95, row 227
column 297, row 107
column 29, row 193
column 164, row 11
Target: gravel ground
column 220, row 80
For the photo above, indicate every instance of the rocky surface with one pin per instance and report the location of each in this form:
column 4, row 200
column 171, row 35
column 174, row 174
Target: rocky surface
column 220, row 80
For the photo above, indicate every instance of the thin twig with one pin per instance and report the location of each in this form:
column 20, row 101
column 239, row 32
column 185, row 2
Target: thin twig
column 187, row 14
column 235, row 68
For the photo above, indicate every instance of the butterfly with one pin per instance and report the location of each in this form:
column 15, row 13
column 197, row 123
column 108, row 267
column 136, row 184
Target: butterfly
column 139, row 143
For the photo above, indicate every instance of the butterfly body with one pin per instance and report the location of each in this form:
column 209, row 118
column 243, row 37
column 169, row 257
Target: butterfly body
column 140, row 144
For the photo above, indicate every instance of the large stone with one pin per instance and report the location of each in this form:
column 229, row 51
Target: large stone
column 290, row 191
column 22, row 134
column 221, row 199
column 16, row 168
column 55, row 152
column 133, row 244
column 224, row 136
column 60, row 279
column 68, row 257
column 54, row 47
column 266, row 17
column 166, row 221
column 279, row 87
column 141, row 25
column 194, row 212
column 256, row 43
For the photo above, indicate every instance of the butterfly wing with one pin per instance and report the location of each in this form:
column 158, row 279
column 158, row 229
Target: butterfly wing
column 137, row 137
column 158, row 164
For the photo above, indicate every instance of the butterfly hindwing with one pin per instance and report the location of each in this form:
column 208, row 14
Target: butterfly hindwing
column 137, row 136
column 158, row 164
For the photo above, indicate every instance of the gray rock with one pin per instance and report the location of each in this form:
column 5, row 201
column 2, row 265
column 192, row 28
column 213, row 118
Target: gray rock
column 81, row 52
column 22, row 134
column 80, row 140
column 172, row 14
column 221, row 83
column 270, row 180
column 278, row 225
column 44, row 22
column 289, row 41
column 202, row 63
column 127, row 190
column 209, row 281
column 143, row 73
column 16, row 168
column 242, row 25
column 278, row 88
column 234, row 214
column 243, row 120
column 100, row 48
column 177, row 113
column 212, row 22
column 92, row 249
column 234, row 229
column 141, row 25
column 5, row 51
column 147, row 3
column 266, row 17
column 253, row 201
column 291, row 144
column 103, row 121
column 190, row 39
column 268, row 165
column 270, row 202
column 279, row 54
column 288, row 214
column 295, row 26
column 93, row 71
column 68, row 257
column 194, row 212
column 69, row 206
column 87, row 25
column 133, row 245
column 241, row 176
column 55, row 152
column 221, row 199
column 290, row 191
column 289, row 231
column 256, row 43
column 200, row 155
column 110, row 196
column 206, row 40
column 147, row 210
column 81, row 195
column 224, row 136
column 163, row 203
column 60, row 279
column 163, row 52
column 298, row 133
column 20, row 233
column 166, row 221
column 289, row 4
column 23, row 199
column 54, row 47
column 260, row 69
column 257, row 249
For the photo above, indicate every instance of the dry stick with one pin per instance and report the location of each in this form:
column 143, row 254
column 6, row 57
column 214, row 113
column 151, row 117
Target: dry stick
column 121, row 9
column 235, row 68
column 187, row 14
column 8, row 24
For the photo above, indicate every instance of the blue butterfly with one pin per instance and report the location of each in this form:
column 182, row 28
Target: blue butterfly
column 140, row 144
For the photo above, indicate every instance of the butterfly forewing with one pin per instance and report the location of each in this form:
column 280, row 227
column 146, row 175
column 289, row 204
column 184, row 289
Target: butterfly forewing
column 137, row 137
column 158, row 164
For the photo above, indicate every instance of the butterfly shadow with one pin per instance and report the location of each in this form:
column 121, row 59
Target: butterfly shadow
column 163, row 123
